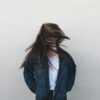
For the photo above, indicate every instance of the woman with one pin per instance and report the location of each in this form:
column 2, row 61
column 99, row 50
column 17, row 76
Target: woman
column 49, row 71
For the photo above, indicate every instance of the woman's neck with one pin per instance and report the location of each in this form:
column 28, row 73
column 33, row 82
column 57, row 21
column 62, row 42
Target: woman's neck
column 52, row 53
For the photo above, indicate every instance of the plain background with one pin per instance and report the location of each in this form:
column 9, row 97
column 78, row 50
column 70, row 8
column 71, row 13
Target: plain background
column 20, row 21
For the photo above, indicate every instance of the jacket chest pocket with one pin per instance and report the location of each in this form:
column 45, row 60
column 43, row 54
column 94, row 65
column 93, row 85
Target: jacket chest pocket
column 38, row 73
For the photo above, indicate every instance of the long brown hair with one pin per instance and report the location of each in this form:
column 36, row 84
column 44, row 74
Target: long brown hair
column 40, row 47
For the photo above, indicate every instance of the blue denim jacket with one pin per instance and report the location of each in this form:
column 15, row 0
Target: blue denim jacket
column 37, row 77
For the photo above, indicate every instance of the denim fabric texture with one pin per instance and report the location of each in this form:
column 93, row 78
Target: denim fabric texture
column 37, row 77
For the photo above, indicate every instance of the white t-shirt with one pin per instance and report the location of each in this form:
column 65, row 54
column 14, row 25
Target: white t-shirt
column 53, row 72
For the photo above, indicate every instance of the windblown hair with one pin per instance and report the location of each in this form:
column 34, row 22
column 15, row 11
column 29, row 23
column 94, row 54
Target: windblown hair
column 40, row 47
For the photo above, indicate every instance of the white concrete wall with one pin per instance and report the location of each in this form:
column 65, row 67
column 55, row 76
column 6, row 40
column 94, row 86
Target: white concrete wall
column 20, row 21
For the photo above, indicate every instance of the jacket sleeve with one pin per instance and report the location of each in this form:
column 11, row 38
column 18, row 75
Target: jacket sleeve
column 29, row 76
column 71, row 74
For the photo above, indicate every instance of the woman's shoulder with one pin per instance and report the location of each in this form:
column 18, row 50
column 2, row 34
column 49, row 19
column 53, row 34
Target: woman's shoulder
column 67, row 54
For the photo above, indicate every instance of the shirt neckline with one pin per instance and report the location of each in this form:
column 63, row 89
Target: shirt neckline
column 53, row 56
